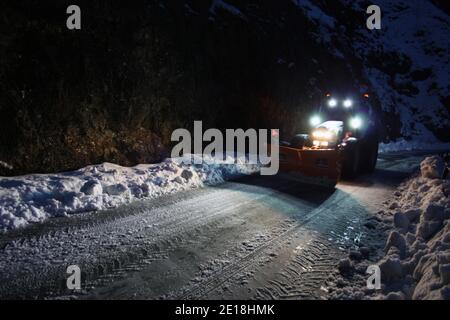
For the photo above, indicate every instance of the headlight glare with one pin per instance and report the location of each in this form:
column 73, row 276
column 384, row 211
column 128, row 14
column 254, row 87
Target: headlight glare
column 356, row 122
column 317, row 143
column 348, row 103
column 315, row 120
column 322, row 134
column 332, row 103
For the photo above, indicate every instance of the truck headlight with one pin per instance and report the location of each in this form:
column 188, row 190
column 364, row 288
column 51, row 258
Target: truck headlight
column 322, row 135
column 315, row 120
column 356, row 122
column 332, row 103
column 348, row 103
column 317, row 143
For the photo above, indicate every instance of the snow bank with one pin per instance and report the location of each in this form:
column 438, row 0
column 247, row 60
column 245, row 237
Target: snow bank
column 416, row 259
column 412, row 145
column 422, row 223
column 35, row 198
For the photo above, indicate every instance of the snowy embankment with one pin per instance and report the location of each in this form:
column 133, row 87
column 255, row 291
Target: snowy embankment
column 37, row 197
column 415, row 263
column 413, row 145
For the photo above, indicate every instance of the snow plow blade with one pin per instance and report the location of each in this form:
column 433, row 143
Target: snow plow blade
column 314, row 166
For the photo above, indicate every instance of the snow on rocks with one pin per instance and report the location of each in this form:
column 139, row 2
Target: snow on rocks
column 37, row 197
column 415, row 263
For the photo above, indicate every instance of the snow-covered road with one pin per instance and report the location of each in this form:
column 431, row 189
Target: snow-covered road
column 258, row 237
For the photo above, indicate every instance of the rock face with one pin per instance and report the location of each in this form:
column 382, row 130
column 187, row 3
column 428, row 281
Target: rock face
column 69, row 99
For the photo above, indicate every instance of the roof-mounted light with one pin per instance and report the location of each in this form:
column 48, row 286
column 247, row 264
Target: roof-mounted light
column 348, row 103
column 332, row 103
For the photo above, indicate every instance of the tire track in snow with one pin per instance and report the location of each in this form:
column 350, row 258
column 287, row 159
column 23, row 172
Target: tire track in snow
column 132, row 233
column 202, row 289
column 304, row 275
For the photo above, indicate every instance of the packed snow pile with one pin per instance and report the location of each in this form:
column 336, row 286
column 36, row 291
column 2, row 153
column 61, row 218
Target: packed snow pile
column 415, row 262
column 412, row 145
column 432, row 167
column 35, row 198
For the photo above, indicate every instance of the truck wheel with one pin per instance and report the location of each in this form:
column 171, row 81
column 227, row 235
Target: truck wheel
column 373, row 157
column 351, row 165
column 370, row 155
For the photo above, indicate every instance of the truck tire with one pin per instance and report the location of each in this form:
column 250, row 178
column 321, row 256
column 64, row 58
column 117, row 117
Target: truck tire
column 352, row 163
column 371, row 156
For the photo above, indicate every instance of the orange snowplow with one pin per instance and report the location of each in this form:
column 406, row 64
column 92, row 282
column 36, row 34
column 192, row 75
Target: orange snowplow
column 311, row 165
column 344, row 145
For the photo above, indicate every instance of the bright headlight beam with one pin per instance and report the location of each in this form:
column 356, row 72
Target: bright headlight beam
column 348, row 103
column 315, row 120
column 356, row 122
column 332, row 103
column 321, row 134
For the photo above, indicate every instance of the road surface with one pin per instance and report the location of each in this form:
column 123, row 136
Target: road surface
column 255, row 238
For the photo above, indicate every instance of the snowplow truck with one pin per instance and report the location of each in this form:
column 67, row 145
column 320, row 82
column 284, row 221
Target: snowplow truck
column 342, row 143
